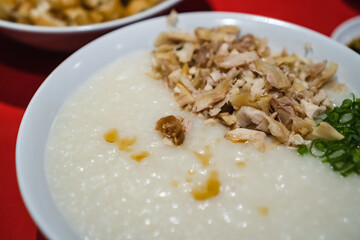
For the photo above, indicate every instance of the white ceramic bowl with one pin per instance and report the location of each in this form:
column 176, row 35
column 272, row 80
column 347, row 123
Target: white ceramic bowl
column 73, row 37
column 73, row 72
column 347, row 30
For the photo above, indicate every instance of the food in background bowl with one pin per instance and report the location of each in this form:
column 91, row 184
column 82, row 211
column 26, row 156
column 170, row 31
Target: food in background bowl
column 112, row 173
column 347, row 32
column 69, row 37
column 355, row 44
column 70, row 13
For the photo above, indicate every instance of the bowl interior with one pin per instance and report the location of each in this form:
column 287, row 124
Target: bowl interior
column 42, row 110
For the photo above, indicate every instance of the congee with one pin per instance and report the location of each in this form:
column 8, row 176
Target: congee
column 197, row 140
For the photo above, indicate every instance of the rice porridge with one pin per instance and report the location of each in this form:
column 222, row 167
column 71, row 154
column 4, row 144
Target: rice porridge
column 147, row 189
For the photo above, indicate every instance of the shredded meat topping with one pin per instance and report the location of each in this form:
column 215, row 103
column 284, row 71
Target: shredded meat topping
column 238, row 82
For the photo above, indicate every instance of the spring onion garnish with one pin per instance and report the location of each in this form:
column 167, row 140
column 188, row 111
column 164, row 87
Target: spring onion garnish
column 343, row 155
column 302, row 150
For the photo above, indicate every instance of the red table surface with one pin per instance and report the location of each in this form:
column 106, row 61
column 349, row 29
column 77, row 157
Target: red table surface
column 23, row 69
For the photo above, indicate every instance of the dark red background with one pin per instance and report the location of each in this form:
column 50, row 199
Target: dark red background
column 23, row 69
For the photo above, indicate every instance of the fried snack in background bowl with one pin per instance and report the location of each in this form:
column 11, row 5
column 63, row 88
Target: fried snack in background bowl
column 61, row 13
column 66, row 25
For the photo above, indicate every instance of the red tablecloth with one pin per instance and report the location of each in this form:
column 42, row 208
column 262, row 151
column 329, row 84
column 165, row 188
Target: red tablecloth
column 23, row 69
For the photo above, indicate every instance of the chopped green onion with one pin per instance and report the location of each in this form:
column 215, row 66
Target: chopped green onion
column 343, row 155
column 334, row 117
column 302, row 150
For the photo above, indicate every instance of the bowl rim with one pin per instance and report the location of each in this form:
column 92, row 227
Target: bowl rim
column 39, row 220
column 157, row 9
column 342, row 27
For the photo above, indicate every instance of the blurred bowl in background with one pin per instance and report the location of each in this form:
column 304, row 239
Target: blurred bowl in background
column 70, row 38
column 347, row 31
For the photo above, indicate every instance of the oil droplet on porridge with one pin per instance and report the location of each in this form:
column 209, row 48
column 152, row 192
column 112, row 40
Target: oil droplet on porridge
column 140, row 156
column 188, row 180
column 240, row 164
column 124, row 144
column 263, row 210
column 209, row 190
column 174, row 183
column 111, row 135
column 204, row 156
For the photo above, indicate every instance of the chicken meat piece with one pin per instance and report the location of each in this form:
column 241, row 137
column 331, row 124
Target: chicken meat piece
column 236, row 59
column 326, row 132
column 244, row 135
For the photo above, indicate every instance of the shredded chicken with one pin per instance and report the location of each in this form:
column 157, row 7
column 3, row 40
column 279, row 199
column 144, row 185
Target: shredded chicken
column 244, row 135
column 236, row 59
column 185, row 52
column 273, row 74
column 207, row 99
column 248, row 116
column 236, row 80
column 284, row 108
column 311, row 109
column 248, row 135
column 326, row 131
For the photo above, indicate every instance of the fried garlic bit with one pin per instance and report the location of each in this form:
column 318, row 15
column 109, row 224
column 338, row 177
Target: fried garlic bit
column 171, row 128
column 236, row 80
column 70, row 12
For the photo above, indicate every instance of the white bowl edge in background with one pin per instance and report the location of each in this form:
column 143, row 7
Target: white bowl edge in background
column 66, row 78
column 70, row 38
column 347, row 30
